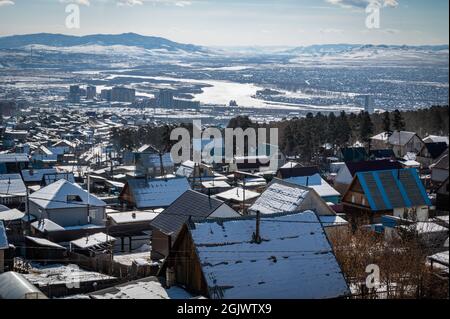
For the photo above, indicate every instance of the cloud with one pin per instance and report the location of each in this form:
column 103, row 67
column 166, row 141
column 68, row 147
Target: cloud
column 6, row 3
column 129, row 3
column 361, row 4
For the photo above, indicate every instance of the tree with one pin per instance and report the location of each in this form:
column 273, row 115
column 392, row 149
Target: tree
column 366, row 127
column 386, row 122
column 344, row 131
column 399, row 123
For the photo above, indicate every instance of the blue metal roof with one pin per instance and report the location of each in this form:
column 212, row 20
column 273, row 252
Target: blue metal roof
column 389, row 189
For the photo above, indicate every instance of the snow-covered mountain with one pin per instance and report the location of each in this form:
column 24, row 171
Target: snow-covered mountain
column 67, row 41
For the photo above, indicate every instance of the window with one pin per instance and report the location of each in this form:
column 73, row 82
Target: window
column 74, row 198
column 353, row 199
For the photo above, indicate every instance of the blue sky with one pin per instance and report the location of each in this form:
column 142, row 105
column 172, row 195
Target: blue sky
column 238, row 22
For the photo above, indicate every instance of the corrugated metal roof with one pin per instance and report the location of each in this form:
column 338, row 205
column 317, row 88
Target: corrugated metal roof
column 12, row 184
column 294, row 259
column 386, row 190
column 191, row 203
column 13, row 158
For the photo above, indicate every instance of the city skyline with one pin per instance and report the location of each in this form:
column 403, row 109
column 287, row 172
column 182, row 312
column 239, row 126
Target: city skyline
column 238, row 23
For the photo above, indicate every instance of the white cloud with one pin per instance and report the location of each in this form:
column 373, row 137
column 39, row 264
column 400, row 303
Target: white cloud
column 361, row 4
column 6, row 3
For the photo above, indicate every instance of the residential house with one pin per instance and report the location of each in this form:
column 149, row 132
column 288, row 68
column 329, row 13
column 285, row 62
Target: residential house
column 191, row 204
column 13, row 163
column 436, row 139
column 239, row 198
column 67, row 205
column 142, row 193
column 43, row 157
column 395, row 192
column 346, row 173
column 439, row 170
column 310, row 177
column 15, row 286
column 282, row 196
column 12, row 219
column 13, row 192
column 36, row 176
column 430, row 152
column 382, row 154
column 401, row 142
column 280, row 256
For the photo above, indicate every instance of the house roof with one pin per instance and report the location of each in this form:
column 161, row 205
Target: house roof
column 297, row 171
column 294, row 259
column 50, row 178
column 366, row 166
column 11, row 214
column 442, row 162
column 156, row 193
column 133, row 217
column 237, row 194
column 436, row 139
column 55, row 195
column 13, row 158
column 36, row 175
column 12, row 185
column 280, row 196
column 45, row 242
column 93, row 240
column 436, row 149
column 400, row 137
column 190, row 204
column 3, row 239
column 389, row 189
column 315, row 182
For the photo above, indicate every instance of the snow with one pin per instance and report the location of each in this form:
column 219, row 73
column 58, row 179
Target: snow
column 57, row 274
column 46, row 225
column 44, row 242
column 11, row 214
column 279, row 198
column 315, row 182
column 93, row 240
column 332, row 221
column 132, row 217
column 150, row 289
column 294, row 259
column 55, row 196
column 237, row 194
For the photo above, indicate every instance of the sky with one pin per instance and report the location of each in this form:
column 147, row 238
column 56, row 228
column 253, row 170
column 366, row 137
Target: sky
column 238, row 22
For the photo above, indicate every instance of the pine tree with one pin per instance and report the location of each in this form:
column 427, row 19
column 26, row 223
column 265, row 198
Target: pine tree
column 398, row 123
column 386, row 122
column 366, row 127
column 344, row 131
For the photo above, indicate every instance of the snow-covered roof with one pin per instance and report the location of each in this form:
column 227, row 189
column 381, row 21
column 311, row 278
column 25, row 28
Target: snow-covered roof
column 436, row 139
column 12, row 185
column 46, row 225
column 56, row 196
column 157, row 192
column 441, row 258
column 44, row 242
column 132, row 217
column 332, row 220
column 294, row 259
column 93, row 240
column 280, row 197
column 237, row 194
column 147, row 288
column 14, row 286
column 290, row 164
column 11, row 214
column 400, row 138
column 36, row 175
column 215, row 184
column 315, row 182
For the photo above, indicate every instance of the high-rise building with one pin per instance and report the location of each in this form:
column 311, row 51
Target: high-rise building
column 91, row 92
column 123, row 94
column 369, row 104
column 74, row 94
column 105, row 95
column 165, row 98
